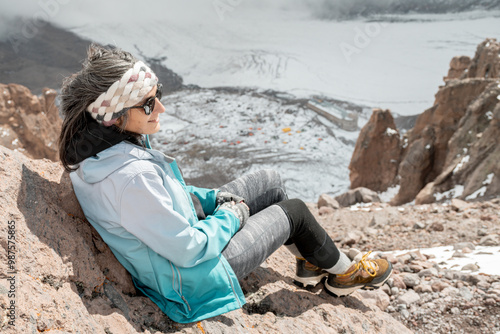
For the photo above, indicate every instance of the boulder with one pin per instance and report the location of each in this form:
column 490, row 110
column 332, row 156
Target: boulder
column 374, row 163
column 328, row 201
column 358, row 195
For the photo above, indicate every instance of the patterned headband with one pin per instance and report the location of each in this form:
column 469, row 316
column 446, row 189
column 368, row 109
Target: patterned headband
column 124, row 93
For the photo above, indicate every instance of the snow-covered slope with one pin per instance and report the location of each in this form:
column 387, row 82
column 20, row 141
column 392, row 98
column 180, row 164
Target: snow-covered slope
column 218, row 135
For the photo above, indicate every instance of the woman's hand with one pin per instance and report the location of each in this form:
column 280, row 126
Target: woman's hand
column 241, row 210
column 223, row 197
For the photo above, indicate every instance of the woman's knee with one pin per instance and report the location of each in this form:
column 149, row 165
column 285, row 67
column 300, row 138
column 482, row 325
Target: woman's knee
column 295, row 208
column 274, row 180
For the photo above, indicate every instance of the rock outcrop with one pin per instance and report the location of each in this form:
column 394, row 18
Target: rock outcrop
column 29, row 123
column 450, row 152
column 67, row 279
column 374, row 163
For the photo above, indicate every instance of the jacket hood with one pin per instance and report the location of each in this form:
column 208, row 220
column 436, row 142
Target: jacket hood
column 96, row 168
column 95, row 138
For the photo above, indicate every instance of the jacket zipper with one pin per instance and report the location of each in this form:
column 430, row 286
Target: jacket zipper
column 180, row 285
column 230, row 282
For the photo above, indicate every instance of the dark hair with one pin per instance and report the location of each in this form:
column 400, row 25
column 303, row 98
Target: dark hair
column 101, row 69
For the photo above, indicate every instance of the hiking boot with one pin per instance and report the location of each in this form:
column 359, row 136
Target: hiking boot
column 365, row 274
column 307, row 274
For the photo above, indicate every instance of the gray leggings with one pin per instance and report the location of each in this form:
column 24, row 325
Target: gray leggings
column 274, row 220
column 267, row 227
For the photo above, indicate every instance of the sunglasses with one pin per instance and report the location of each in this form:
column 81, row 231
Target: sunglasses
column 149, row 105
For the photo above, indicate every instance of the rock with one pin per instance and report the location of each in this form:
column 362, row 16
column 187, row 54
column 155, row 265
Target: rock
column 404, row 258
column 436, row 226
column 408, row 298
column 428, row 272
column 484, row 63
column 398, row 282
column 325, row 210
column 379, row 221
column 374, row 163
column 389, row 257
column 434, row 161
column 371, row 231
column 394, row 291
column 465, row 293
column 423, row 288
column 377, row 297
column 439, row 286
column 419, row 225
column 327, row 201
column 489, row 240
column 471, row 267
column 352, row 237
column 386, row 289
column 466, row 250
column 490, row 302
column 459, row 205
column 416, row 255
column 458, row 254
column 357, row 195
column 480, row 281
column 411, row 280
column 416, row 268
column 405, row 314
column 71, row 282
column 28, row 123
column 450, row 291
column 458, row 65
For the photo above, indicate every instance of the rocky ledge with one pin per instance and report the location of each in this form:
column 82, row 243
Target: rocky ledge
column 68, row 281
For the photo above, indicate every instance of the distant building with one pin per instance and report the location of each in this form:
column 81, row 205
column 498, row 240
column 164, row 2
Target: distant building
column 341, row 117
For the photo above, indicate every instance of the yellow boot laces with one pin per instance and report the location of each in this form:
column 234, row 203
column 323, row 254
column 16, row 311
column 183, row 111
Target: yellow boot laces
column 369, row 266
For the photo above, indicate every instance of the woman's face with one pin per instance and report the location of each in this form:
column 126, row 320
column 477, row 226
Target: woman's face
column 141, row 123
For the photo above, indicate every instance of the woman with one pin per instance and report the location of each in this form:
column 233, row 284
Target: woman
column 185, row 247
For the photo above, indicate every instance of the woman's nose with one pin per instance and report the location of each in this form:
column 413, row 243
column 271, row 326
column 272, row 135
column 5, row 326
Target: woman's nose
column 159, row 108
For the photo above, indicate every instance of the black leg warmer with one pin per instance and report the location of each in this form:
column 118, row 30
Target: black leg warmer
column 309, row 237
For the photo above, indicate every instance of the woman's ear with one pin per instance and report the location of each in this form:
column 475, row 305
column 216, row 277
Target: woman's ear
column 120, row 122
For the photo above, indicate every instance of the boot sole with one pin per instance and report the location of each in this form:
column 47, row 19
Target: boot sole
column 339, row 292
column 305, row 282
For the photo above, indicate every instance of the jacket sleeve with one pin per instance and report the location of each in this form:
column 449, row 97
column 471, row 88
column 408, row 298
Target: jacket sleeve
column 146, row 211
column 207, row 198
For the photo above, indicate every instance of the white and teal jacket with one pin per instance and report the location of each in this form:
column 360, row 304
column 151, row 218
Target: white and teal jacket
column 139, row 203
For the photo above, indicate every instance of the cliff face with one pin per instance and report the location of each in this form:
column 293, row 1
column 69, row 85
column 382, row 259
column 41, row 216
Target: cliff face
column 450, row 149
column 67, row 279
column 29, row 123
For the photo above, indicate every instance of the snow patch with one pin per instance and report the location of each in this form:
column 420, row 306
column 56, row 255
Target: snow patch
column 5, row 132
column 486, row 257
column 389, row 194
column 489, row 115
column 457, row 191
column 15, row 141
column 391, row 132
column 405, row 142
column 481, row 191
column 461, row 164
